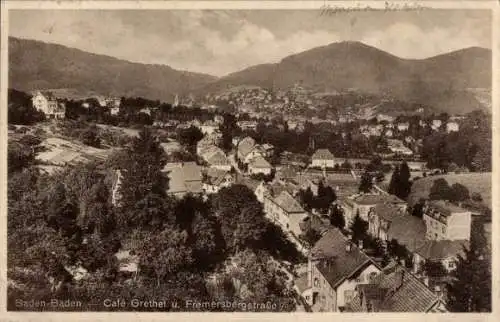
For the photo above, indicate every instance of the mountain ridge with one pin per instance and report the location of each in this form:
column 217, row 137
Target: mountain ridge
column 441, row 80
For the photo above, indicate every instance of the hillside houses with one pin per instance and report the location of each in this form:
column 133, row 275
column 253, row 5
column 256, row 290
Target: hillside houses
column 209, row 127
column 452, row 127
column 51, row 106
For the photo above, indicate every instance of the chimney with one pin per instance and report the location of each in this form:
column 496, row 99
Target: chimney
column 348, row 246
column 360, row 244
column 437, row 290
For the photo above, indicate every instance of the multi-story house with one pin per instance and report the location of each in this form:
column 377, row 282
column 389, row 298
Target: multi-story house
column 47, row 103
column 404, row 126
column 323, row 158
column 216, row 179
column 395, row 290
column 436, row 124
column 380, row 219
column 285, row 211
column 445, row 220
column 259, row 165
column 445, row 252
column 335, row 267
column 363, row 203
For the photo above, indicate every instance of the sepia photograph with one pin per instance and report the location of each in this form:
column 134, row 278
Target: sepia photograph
column 328, row 159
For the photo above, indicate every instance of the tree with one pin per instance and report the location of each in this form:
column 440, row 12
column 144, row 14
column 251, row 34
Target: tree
column 306, row 198
column 358, row 228
column 311, row 236
column 440, row 190
column 366, row 184
column 459, row 192
column 418, row 208
column 337, row 217
column 435, row 269
column 404, row 181
column 163, row 254
column 240, row 216
column 325, row 197
column 19, row 157
column 90, row 136
column 470, row 289
column 189, row 137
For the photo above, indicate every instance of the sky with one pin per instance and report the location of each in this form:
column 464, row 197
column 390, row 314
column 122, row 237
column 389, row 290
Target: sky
column 225, row 41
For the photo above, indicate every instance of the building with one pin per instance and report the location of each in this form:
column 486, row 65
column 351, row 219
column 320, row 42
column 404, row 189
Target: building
column 247, row 150
column 395, row 290
column 115, row 188
column 445, row 220
column 259, row 165
column 380, row 219
column 322, row 158
column 285, row 211
column 47, row 103
column 171, row 147
column 444, row 251
column 408, row 230
column 184, row 178
column 452, row 127
column 247, row 125
column 363, row 203
column 335, row 267
column 436, row 124
column 397, row 147
column 209, row 127
column 404, row 126
column 385, row 117
column 216, row 179
column 217, row 159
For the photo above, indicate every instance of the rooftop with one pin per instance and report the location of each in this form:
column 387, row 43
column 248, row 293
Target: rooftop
column 288, row 203
column 387, row 211
column 260, row 162
column 408, row 231
column 395, row 290
column 446, row 207
column 336, row 263
column 322, row 154
column 373, row 199
column 441, row 249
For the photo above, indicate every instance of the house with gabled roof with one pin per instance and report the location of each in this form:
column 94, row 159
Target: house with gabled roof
column 395, row 290
column 444, row 251
column 380, row 219
column 322, row 158
column 259, row 165
column 335, row 267
column 284, row 210
column 184, row 178
column 363, row 203
column 216, row 179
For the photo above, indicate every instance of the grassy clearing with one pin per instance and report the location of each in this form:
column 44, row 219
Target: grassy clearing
column 475, row 182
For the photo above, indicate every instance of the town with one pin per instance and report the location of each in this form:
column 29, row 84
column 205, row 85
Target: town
column 315, row 202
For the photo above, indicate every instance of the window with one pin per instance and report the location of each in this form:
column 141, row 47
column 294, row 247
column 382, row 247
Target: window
column 316, row 282
column 372, row 276
column 369, row 307
column 443, row 229
column 308, row 297
column 348, row 296
column 451, row 265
